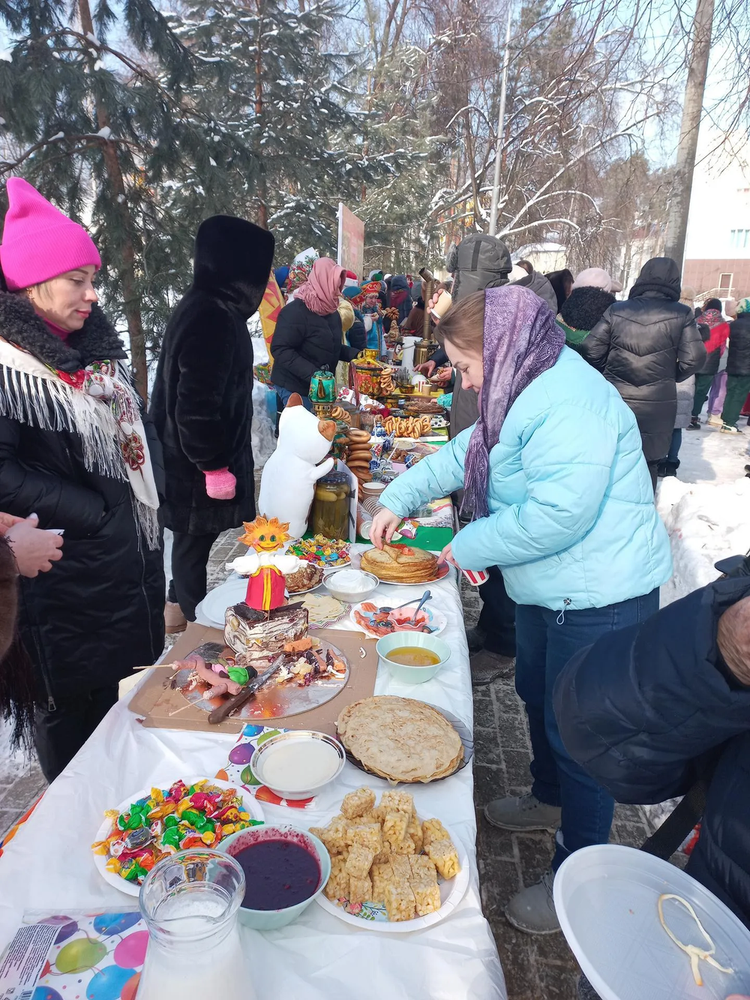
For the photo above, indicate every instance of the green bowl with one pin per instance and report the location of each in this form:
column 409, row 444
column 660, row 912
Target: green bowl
column 420, row 640
column 271, row 920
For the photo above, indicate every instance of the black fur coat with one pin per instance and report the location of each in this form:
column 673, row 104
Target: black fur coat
column 202, row 402
column 99, row 611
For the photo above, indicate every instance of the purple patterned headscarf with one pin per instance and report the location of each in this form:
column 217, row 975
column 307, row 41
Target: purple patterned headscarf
column 521, row 340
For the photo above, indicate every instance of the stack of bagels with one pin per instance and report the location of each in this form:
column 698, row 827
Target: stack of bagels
column 359, row 454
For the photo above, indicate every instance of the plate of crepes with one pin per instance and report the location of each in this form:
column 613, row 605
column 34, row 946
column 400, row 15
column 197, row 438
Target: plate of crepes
column 377, row 622
column 308, row 577
column 391, row 870
column 321, row 551
column 156, row 822
column 403, row 564
column 322, row 610
column 401, row 739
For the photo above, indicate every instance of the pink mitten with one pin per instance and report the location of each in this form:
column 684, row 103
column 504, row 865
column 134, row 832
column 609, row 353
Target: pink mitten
column 220, row 484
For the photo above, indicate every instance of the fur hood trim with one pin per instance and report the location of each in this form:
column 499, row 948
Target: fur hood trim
column 97, row 339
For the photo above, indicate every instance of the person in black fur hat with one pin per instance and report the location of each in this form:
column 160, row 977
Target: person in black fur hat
column 74, row 451
column 644, row 347
column 590, row 297
column 202, row 402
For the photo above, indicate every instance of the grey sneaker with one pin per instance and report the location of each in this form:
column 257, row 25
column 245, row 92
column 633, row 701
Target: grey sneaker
column 522, row 812
column 532, row 910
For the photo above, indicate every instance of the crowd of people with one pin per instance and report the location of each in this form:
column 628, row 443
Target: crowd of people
column 566, row 406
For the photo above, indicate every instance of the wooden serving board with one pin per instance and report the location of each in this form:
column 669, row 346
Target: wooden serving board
column 164, row 708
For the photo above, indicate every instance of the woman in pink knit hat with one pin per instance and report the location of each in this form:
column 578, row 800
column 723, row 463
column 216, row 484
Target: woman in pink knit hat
column 73, row 451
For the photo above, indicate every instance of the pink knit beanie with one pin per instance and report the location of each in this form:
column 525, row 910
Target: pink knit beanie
column 39, row 242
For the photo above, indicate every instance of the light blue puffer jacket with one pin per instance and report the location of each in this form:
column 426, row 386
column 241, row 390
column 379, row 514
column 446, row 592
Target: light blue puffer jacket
column 572, row 518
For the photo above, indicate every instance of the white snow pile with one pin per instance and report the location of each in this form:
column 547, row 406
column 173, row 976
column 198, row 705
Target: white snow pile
column 706, row 522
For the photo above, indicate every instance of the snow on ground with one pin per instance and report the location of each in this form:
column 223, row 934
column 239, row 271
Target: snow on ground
column 707, row 509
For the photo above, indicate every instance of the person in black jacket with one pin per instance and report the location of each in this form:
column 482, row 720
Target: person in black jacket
column 738, row 368
column 73, row 450
column 308, row 333
column 673, row 702
column 202, row 402
column 644, row 347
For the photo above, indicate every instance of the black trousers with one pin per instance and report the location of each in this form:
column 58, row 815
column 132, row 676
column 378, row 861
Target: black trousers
column 498, row 615
column 189, row 561
column 61, row 733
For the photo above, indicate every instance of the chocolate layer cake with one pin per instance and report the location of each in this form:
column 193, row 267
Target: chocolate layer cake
column 255, row 636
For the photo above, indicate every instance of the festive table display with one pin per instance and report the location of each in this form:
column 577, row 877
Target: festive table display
column 259, row 704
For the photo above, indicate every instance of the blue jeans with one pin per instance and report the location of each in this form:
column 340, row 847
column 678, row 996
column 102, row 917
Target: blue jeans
column 545, row 641
column 284, row 394
column 674, row 448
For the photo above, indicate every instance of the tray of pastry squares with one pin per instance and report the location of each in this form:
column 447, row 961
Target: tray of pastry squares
column 391, row 870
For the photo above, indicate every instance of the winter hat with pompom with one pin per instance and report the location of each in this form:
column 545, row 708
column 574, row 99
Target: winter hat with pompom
column 39, row 242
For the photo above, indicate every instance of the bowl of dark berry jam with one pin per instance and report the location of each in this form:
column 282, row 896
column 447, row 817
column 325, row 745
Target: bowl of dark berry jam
column 285, row 869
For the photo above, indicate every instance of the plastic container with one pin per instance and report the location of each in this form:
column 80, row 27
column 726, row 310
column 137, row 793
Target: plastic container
column 403, row 672
column 331, row 503
column 606, row 900
column 301, row 750
column 271, row 920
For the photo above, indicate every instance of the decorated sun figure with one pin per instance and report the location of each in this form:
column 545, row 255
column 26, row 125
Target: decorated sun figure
column 266, row 564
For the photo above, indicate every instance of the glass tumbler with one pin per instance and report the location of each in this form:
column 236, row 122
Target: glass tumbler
column 190, row 902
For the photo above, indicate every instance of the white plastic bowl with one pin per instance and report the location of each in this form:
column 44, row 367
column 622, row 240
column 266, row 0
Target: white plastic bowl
column 350, row 596
column 297, row 742
column 421, row 640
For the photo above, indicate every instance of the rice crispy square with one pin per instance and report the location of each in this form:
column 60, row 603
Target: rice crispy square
column 394, row 827
column 405, row 846
column 401, row 867
column 369, row 835
column 445, row 856
column 358, row 803
column 335, row 835
column 382, row 857
column 433, row 829
column 360, row 890
column 359, row 862
column 382, row 876
column 414, row 830
column 426, row 897
column 399, row 901
column 393, row 801
column 337, row 886
column 422, row 868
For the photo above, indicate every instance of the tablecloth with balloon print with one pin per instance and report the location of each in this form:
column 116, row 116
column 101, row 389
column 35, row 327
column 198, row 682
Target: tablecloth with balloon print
column 75, row 956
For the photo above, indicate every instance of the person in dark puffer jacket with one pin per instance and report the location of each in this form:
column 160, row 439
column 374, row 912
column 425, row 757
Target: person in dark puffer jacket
column 308, row 332
column 738, row 368
column 712, row 318
column 644, row 347
column 673, row 702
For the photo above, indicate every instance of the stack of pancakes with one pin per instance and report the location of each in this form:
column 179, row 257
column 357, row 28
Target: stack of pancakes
column 400, row 564
column 400, row 739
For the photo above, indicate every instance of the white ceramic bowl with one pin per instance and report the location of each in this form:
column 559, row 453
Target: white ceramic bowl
column 298, row 748
column 350, row 596
column 419, row 640
column 270, row 920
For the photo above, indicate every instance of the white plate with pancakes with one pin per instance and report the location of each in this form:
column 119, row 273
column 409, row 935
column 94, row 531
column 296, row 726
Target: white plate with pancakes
column 403, row 565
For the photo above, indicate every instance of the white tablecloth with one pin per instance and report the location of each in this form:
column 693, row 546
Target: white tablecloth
column 319, row 957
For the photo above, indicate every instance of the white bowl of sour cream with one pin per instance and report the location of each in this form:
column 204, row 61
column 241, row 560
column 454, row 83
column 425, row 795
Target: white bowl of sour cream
column 298, row 764
column 351, row 585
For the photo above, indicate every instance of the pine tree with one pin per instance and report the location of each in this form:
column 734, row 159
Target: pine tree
column 96, row 128
column 266, row 77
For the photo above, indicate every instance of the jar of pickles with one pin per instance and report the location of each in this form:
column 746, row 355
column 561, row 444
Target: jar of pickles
column 330, row 509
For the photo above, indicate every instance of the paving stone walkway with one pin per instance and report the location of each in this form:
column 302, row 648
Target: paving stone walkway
column 535, row 968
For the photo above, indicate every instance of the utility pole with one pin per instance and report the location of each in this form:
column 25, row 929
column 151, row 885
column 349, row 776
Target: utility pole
column 692, row 109
column 501, row 124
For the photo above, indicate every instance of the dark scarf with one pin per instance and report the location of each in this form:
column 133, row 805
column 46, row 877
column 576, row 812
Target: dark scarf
column 521, row 340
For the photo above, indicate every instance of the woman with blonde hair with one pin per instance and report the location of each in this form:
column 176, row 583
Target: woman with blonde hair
column 73, row 451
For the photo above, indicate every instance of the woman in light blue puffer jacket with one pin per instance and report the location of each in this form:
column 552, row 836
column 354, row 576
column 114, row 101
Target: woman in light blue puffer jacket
column 563, row 503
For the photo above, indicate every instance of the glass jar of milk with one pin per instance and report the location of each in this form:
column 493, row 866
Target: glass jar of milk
column 190, row 903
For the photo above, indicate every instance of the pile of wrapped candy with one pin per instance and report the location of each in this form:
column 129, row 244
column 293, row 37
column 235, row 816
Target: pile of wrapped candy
column 321, row 551
column 167, row 821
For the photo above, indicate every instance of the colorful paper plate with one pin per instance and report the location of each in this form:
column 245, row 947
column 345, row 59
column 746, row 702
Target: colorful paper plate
column 435, row 621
